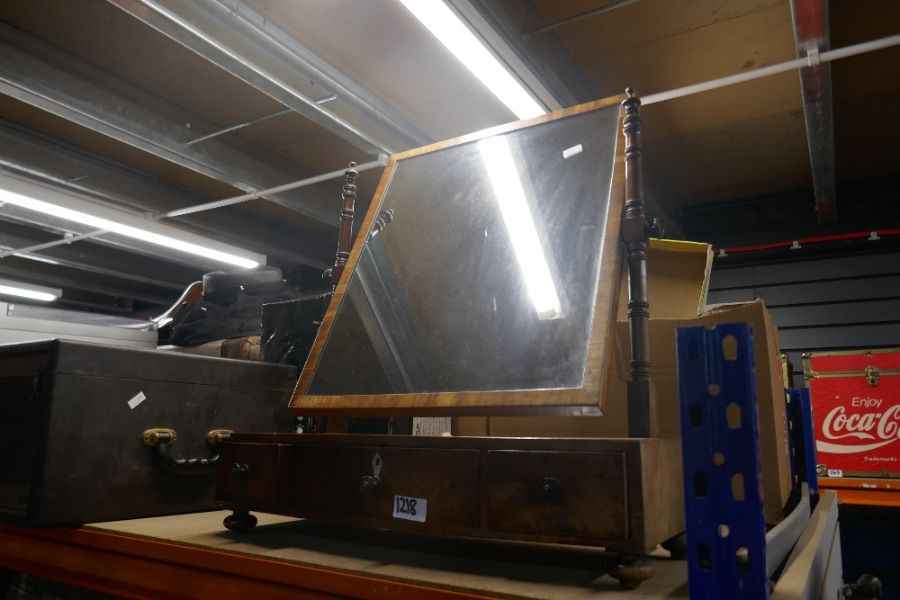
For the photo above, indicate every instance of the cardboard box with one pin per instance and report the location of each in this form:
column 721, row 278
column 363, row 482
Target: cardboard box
column 676, row 289
column 773, row 438
column 677, row 280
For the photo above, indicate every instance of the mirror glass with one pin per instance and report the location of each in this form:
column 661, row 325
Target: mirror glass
column 485, row 275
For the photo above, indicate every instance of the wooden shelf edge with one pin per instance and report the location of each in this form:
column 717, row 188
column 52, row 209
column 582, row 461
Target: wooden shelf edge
column 137, row 567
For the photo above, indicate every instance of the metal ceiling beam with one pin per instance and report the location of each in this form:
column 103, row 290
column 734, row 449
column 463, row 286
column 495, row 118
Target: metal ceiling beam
column 811, row 35
column 81, row 300
column 25, row 196
column 27, row 153
column 102, row 261
column 235, row 38
column 61, row 235
column 14, row 267
column 541, row 62
column 44, row 77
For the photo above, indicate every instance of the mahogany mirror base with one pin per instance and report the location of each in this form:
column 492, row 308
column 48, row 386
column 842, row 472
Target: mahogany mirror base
column 622, row 494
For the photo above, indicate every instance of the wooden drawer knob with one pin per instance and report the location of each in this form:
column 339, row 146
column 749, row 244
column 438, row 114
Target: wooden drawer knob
column 550, row 489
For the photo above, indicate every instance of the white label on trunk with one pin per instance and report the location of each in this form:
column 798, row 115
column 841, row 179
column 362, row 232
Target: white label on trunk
column 835, row 473
column 411, row 509
column 138, row 398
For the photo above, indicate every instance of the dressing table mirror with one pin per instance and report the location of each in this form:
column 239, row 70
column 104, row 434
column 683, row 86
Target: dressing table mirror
column 491, row 289
column 484, row 280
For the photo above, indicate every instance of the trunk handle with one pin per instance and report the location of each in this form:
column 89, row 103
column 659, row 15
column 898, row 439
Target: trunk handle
column 163, row 438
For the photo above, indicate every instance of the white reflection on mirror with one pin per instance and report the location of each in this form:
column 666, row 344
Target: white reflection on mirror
column 507, row 186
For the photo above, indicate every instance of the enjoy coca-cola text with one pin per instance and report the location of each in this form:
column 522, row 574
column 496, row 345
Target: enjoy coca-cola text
column 864, row 426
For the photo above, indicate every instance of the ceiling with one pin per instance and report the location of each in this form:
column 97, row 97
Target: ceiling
column 108, row 100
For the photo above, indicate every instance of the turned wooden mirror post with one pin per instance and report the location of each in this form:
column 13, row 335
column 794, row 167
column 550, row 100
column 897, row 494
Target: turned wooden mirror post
column 635, row 237
column 345, row 235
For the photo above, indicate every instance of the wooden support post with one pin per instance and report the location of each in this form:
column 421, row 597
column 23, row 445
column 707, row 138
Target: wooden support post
column 635, row 237
column 345, row 236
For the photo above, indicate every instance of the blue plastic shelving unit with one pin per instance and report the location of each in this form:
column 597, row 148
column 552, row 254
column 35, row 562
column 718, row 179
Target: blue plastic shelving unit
column 720, row 446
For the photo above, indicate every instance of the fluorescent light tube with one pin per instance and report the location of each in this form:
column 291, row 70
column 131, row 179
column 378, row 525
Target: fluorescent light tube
column 520, row 226
column 26, row 290
column 474, row 55
column 71, row 208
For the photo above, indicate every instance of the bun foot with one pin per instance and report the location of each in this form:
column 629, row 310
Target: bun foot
column 677, row 546
column 239, row 521
column 630, row 571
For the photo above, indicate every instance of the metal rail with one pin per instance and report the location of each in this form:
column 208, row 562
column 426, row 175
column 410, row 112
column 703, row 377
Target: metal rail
column 797, row 63
column 45, row 77
column 380, row 162
column 235, row 38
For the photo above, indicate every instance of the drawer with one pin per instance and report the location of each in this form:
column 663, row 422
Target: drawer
column 254, row 475
column 557, row 493
column 328, row 484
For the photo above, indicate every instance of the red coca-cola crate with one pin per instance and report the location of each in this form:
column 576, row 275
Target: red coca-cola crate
column 856, row 411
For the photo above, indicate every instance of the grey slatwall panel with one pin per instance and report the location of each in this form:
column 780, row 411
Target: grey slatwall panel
column 840, row 338
column 819, row 292
column 808, row 270
column 878, row 311
column 840, row 303
column 738, row 295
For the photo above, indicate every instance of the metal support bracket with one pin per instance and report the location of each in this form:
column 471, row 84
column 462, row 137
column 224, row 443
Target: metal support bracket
column 726, row 544
column 802, row 441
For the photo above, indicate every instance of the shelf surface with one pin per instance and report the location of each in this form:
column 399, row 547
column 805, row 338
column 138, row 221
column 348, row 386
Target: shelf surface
column 193, row 556
column 864, row 491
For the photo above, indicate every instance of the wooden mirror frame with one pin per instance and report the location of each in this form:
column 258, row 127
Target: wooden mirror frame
column 587, row 399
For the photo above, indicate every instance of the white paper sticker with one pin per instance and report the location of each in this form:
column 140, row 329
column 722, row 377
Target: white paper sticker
column 410, row 509
column 431, row 426
column 138, row 398
column 570, row 152
column 835, row 473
